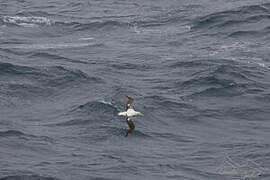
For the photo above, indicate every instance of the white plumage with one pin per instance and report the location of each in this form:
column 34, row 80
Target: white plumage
column 130, row 113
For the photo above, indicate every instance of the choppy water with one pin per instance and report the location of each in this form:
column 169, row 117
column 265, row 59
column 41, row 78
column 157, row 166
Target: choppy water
column 199, row 71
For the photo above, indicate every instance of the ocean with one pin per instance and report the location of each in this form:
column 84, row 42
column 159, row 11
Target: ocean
column 199, row 71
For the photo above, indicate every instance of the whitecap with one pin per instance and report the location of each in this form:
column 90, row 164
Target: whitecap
column 105, row 102
column 27, row 21
column 27, row 25
column 86, row 38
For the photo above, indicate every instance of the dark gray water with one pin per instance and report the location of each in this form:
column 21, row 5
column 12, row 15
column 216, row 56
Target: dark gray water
column 199, row 71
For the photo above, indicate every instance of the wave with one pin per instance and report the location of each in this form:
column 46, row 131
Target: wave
column 246, row 17
column 165, row 109
column 11, row 133
column 243, row 33
column 28, row 177
column 227, row 80
column 88, row 113
column 251, row 33
column 31, row 83
column 226, row 18
column 48, row 55
column 96, row 106
column 167, row 102
column 224, row 78
column 50, row 76
column 21, row 92
column 21, row 135
column 59, row 75
column 11, row 69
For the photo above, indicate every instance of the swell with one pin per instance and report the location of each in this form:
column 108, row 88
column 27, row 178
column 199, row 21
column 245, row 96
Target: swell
column 164, row 109
column 49, row 76
column 169, row 103
column 246, row 17
column 88, row 113
column 225, row 18
column 222, row 78
column 33, row 82
column 95, row 106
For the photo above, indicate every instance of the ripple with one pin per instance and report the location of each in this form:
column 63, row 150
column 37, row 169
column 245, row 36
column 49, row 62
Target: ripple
column 27, row 177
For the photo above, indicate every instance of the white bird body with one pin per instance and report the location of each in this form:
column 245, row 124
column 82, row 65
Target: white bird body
column 130, row 113
column 122, row 114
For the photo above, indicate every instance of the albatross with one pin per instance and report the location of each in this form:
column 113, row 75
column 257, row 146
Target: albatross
column 129, row 113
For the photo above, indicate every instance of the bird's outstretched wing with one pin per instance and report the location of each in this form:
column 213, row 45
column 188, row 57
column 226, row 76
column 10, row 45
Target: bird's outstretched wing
column 129, row 102
column 131, row 126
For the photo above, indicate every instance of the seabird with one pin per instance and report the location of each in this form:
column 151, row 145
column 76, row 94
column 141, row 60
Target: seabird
column 130, row 112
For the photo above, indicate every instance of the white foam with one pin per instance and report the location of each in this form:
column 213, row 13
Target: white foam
column 86, row 38
column 262, row 64
column 49, row 46
column 27, row 21
column 106, row 102
column 27, row 25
